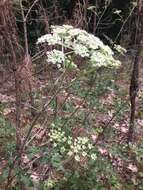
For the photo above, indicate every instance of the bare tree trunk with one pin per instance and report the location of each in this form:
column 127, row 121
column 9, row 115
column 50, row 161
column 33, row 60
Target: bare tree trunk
column 22, row 73
column 135, row 71
column 8, row 35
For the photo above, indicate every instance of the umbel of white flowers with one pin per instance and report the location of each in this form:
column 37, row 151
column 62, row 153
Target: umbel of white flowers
column 67, row 41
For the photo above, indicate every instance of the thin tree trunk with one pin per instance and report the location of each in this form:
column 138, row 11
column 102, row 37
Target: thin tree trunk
column 11, row 46
column 27, row 58
column 135, row 71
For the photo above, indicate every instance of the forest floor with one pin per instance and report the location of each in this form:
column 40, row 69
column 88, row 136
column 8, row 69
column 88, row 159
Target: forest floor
column 105, row 120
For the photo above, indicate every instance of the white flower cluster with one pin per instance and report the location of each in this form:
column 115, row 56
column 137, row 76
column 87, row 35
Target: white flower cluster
column 57, row 136
column 78, row 148
column 50, row 39
column 61, row 30
column 99, row 59
column 81, row 147
column 56, row 57
column 81, row 50
column 120, row 49
column 78, row 42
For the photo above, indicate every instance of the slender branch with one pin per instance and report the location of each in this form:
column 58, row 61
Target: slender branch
column 25, row 29
column 29, row 10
